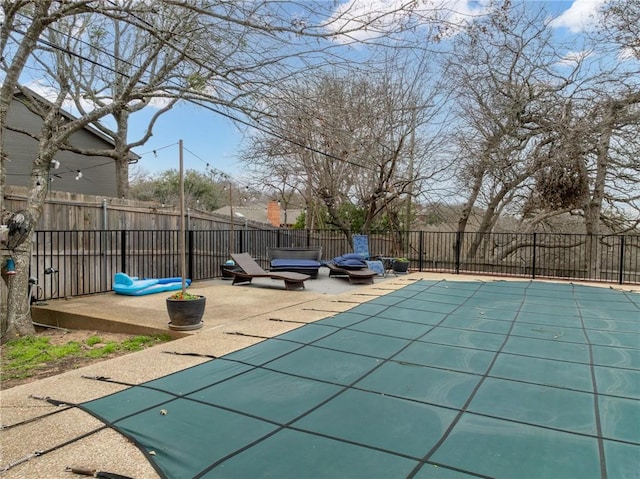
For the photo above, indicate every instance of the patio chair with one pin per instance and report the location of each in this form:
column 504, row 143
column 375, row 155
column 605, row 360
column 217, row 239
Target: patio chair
column 361, row 246
column 250, row 269
column 352, row 266
column 356, row 276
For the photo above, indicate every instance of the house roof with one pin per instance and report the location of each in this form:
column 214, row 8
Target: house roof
column 258, row 213
column 251, row 213
column 25, row 92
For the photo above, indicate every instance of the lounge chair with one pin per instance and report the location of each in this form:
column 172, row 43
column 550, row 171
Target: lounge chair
column 356, row 270
column 361, row 248
column 251, row 269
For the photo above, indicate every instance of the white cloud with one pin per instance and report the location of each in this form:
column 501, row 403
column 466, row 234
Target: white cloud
column 50, row 93
column 159, row 102
column 581, row 15
column 573, row 58
column 629, row 53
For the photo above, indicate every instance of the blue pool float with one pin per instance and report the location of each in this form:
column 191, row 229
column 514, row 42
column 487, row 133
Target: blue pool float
column 131, row 286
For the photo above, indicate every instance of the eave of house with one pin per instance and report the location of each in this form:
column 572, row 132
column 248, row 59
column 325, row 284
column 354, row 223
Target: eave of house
column 20, row 95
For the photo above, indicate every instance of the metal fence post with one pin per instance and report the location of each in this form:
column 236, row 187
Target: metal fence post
column 242, row 241
column 123, row 251
column 458, row 247
column 621, row 271
column 421, row 250
column 190, row 258
column 533, row 259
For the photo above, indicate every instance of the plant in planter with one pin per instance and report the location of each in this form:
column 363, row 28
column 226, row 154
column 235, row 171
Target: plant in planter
column 184, row 296
column 400, row 265
column 185, row 311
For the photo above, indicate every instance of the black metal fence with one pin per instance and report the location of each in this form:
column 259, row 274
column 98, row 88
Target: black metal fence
column 73, row 263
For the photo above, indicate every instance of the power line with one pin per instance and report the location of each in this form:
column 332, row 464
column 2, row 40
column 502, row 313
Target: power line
column 156, row 150
column 206, row 163
column 216, row 170
column 190, row 100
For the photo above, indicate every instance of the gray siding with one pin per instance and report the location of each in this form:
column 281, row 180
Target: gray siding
column 98, row 172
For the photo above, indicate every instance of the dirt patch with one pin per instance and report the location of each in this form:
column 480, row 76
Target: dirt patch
column 61, row 365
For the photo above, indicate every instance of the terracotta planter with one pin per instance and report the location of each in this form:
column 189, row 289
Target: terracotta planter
column 186, row 315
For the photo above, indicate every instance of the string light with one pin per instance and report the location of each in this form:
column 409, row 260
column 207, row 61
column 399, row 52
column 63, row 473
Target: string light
column 79, row 175
column 156, row 150
column 216, row 171
column 224, row 178
column 55, row 164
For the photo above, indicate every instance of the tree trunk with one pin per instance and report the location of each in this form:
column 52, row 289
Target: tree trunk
column 122, row 177
column 468, row 206
column 593, row 208
column 17, row 320
column 18, row 314
column 122, row 154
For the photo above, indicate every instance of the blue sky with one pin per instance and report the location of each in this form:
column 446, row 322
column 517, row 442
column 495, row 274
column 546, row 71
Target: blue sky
column 208, row 138
column 212, row 139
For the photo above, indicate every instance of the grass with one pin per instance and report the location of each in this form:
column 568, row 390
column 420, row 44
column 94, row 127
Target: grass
column 23, row 356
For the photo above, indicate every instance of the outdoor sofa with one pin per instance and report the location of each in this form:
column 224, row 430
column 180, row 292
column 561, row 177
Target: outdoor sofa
column 296, row 259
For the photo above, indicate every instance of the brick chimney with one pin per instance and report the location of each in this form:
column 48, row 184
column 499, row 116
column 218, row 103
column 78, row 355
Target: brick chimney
column 273, row 213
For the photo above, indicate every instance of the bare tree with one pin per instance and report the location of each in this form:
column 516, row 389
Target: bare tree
column 23, row 25
column 592, row 167
column 615, row 111
column 546, row 133
column 352, row 140
column 509, row 97
column 106, row 60
column 234, row 54
column 620, row 25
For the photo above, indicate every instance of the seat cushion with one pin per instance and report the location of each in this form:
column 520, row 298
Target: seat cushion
column 349, row 263
column 294, row 263
column 357, row 256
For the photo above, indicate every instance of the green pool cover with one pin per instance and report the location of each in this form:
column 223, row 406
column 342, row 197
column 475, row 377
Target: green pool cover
column 436, row 380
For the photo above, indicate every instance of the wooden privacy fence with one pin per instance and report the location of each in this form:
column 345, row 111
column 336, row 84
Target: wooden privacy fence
column 72, row 263
column 71, row 211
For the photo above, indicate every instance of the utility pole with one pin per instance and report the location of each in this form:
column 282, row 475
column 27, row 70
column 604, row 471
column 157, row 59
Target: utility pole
column 183, row 258
column 412, row 145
